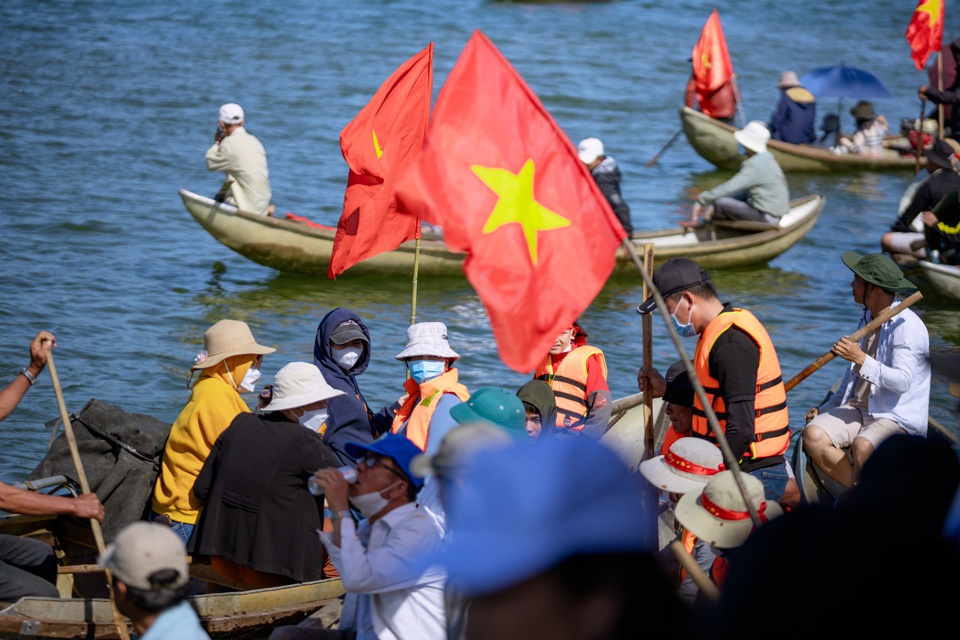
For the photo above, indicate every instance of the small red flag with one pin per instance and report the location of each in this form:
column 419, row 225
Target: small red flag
column 925, row 31
column 506, row 184
column 384, row 138
column 711, row 60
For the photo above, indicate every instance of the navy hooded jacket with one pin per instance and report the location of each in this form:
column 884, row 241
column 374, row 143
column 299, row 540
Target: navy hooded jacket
column 350, row 419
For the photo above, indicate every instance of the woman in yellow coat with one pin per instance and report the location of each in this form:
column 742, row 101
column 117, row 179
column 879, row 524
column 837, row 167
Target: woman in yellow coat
column 229, row 365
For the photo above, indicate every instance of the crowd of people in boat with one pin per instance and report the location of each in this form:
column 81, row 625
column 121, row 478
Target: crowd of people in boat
column 496, row 513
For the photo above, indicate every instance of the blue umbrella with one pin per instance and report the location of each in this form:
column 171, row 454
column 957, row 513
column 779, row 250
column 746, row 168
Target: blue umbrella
column 844, row 82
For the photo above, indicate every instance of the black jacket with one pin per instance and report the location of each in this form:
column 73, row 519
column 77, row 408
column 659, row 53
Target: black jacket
column 259, row 512
column 950, row 95
column 928, row 194
column 607, row 175
column 350, row 418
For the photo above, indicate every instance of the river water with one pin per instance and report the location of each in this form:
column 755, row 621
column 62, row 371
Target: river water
column 106, row 110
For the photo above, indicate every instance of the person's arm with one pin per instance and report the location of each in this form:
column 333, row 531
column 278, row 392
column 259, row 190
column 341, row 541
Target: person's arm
column 395, row 565
column 382, row 421
column 219, row 157
column 909, row 352
column 599, row 401
column 690, row 93
column 13, row 393
column 919, row 204
column 747, row 177
column 734, row 361
column 201, row 486
column 32, row 503
column 947, row 96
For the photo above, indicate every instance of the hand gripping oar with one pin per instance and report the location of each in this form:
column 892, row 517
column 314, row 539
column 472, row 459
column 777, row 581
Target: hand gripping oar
column 654, row 159
column 118, row 618
column 731, row 462
column 870, row 327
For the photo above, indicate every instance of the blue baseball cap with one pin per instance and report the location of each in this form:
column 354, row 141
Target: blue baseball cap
column 522, row 510
column 394, row 446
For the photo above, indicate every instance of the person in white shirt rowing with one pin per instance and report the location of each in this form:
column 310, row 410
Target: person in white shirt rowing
column 390, row 595
column 886, row 388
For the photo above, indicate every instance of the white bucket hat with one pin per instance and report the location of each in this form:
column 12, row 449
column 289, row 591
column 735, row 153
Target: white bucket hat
column 754, row 136
column 589, row 150
column 231, row 113
column 142, row 549
column 427, row 339
column 225, row 339
column 299, row 384
column 717, row 513
column 688, row 464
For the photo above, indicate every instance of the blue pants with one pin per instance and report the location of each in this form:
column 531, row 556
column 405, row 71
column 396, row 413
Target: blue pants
column 774, row 481
column 182, row 529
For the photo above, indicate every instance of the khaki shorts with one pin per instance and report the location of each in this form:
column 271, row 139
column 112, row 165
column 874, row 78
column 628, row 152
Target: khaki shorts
column 846, row 422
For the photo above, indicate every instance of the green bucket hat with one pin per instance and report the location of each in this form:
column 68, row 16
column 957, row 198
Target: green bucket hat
column 496, row 406
column 878, row 269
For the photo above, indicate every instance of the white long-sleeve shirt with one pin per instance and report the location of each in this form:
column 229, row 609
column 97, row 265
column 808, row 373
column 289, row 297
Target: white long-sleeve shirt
column 899, row 375
column 389, row 594
column 241, row 156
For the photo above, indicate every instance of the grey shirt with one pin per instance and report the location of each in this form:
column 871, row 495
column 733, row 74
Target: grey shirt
column 763, row 180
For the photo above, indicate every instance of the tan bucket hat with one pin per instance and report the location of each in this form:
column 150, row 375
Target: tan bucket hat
column 227, row 338
column 788, row 79
column 717, row 513
column 687, row 464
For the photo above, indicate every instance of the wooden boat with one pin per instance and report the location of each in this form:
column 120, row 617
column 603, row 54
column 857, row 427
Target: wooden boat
column 714, row 141
column 84, row 612
column 944, row 278
column 286, row 245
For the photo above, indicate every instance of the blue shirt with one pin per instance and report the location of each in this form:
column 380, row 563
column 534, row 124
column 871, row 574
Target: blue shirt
column 177, row 623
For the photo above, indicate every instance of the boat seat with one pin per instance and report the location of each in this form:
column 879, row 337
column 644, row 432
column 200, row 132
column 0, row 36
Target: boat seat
column 744, row 225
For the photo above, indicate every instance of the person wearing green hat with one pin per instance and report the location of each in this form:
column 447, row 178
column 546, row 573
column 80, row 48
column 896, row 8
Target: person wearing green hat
column 495, row 406
column 886, row 388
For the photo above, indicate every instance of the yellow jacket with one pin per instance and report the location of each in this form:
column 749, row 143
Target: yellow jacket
column 213, row 405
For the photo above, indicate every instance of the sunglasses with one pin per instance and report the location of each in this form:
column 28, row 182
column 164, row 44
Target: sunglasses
column 371, row 462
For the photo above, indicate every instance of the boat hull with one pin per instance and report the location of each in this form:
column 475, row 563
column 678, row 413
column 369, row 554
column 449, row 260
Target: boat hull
column 944, row 278
column 290, row 246
column 714, row 141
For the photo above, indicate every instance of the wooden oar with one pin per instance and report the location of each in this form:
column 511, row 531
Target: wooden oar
column 647, row 355
column 690, row 565
column 869, row 328
column 916, row 169
column 118, row 618
column 654, row 159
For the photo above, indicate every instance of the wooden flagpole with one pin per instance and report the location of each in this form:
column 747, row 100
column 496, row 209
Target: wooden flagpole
column 647, row 355
column 939, row 87
column 416, row 270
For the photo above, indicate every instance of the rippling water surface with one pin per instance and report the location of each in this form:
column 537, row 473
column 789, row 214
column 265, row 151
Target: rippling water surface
column 106, row 110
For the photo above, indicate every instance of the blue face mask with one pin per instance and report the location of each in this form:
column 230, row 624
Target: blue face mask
column 425, row 369
column 686, row 330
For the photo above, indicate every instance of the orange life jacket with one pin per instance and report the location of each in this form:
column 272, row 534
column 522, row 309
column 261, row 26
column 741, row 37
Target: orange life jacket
column 719, row 571
column 422, row 401
column 569, row 384
column 689, row 542
column 771, row 425
column 669, row 438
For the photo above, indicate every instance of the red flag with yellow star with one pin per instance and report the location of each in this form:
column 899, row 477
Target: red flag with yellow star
column 506, row 184
column 711, row 60
column 925, row 31
column 384, row 138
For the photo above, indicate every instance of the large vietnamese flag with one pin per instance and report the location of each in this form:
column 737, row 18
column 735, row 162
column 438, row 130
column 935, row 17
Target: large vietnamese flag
column 505, row 183
column 384, row 138
column 711, row 60
column 925, row 31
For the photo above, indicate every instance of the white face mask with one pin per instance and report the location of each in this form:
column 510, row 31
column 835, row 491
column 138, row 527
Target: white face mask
column 314, row 420
column 370, row 504
column 249, row 382
column 348, row 357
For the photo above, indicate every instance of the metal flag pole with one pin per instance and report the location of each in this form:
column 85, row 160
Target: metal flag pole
column 739, row 99
column 731, row 462
column 416, row 270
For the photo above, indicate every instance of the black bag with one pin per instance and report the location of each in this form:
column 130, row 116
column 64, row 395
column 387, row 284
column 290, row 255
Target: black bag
column 121, row 454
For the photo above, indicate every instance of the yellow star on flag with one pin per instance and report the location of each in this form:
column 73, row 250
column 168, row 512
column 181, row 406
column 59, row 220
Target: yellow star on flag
column 705, row 58
column 931, row 7
column 376, row 144
column 516, row 204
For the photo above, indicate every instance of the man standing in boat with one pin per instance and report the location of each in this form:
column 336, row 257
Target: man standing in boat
column 242, row 158
column 737, row 365
column 605, row 171
column 759, row 178
column 795, row 120
column 886, row 388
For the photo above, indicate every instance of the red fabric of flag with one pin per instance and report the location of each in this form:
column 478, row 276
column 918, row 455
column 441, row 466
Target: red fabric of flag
column 711, row 60
column 385, row 137
column 925, row 31
column 506, row 184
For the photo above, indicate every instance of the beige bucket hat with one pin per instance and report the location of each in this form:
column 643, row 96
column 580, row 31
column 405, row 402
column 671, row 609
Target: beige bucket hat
column 142, row 549
column 754, row 136
column 688, row 464
column 717, row 513
column 427, row 339
column 299, row 384
column 788, row 79
column 225, row 339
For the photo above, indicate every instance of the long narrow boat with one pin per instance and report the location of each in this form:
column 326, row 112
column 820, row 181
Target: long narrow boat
column 84, row 612
column 944, row 278
column 714, row 141
column 286, row 245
